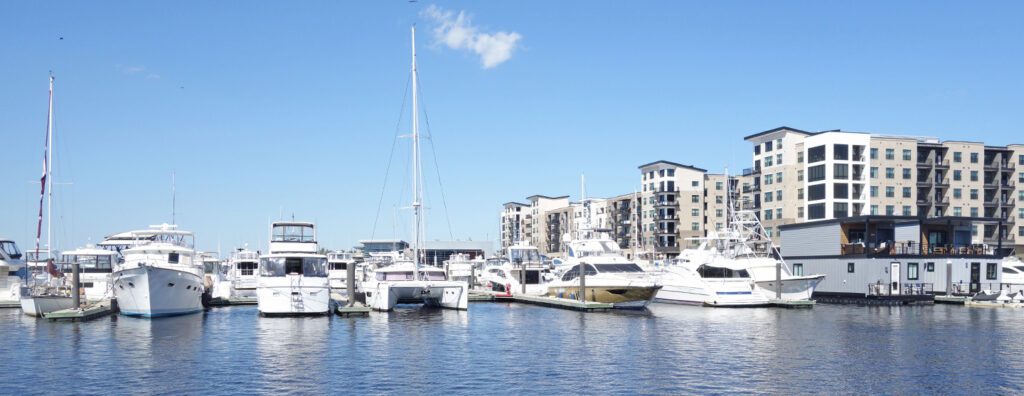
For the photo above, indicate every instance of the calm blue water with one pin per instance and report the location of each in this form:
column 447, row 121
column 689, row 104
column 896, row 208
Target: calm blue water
column 507, row 348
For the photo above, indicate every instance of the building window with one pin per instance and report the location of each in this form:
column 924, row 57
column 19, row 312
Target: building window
column 778, row 158
column 778, row 213
column 957, row 211
column 907, row 210
column 1020, row 213
column 840, row 191
column 671, row 172
column 958, row 157
column 874, row 210
column 1020, row 159
column 768, row 214
column 816, row 192
column 841, row 152
column 800, row 175
column 1020, row 231
column 816, row 211
column 874, row 153
column 912, row 271
column 974, row 193
column 1020, row 196
column 799, row 193
column 768, row 231
column 957, row 193
column 768, row 196
column 718, row 199
column 799, row 157
column 695, row 198
column 1020, row 178
column 906, row 192
column 800, row 213
column 767, row 161
column 718, row 186
column 957, row 175
column 874, row 172
column 839, row 210
column 778, row 177
column 661, row 173
column 974, row 212
column 816, row 173
column 890, row 173
column 694, row 212
column 974, row 158
column 815, row 154
column 890, row 210
column 798, row 269
column 890, row 154
column 718, row 213
column 929, row 267
column 874, row 191
column 768, row 179
column 849, row 267
column 695, row 183
column 695, row 226
column 778, row 195
column 768, row 146
column 990, row 271
column 974, row 175
column 906, row 173
column 890, row 192
column 840, row 171
column 906, row 155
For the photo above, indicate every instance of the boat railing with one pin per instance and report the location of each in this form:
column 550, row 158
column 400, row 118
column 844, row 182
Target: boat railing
column 969, row 289
column 900, row 289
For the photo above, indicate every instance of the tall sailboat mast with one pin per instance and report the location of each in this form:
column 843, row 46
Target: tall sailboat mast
column 49, row 176
column 416, row 183
column 45, row 182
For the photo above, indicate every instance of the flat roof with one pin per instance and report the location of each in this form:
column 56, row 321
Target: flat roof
column 515, row 203
column 673, row 164
column 546, row 197
column 779, row 129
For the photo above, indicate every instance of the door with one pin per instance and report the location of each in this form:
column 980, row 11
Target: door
column 975, row 277
column 894, row 278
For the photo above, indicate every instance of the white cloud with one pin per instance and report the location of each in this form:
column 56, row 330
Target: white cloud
column 457, row 32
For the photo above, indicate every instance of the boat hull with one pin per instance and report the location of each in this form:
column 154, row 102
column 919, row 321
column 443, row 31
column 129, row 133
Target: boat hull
column 384, row 296
column 293, row 295
column 155, row 291
column 10, row 291
column 626, row 297
column 793, row 287
column 38, row 306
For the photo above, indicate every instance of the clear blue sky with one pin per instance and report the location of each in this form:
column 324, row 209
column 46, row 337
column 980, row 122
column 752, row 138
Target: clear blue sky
column 262, row 108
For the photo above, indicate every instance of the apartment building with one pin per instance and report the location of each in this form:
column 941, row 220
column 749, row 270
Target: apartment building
column 800, row 176
column 513, row 223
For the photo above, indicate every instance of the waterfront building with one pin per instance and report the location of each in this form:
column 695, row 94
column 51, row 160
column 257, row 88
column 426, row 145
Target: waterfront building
column 513, row 223
column 800, row 176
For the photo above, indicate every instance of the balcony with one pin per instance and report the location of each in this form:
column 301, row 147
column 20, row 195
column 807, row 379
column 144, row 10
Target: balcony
column 665, row 203
column 667, row 217
column 887, row 249
column 942, row 182
column 924, row 183
column 999, row 202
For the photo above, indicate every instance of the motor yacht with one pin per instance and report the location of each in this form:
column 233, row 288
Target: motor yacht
column 293, row 276
column 12, row 274
column 463, row 267
column 161, row 275
column 337, row 270
column 95, row 266
column 523, row 267
column 610, row 277
column 243, row 272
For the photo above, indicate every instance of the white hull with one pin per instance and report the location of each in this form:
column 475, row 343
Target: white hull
column 793, row 287
column 383, row 296
column 293, row 295
column 40, row 305
column 681, row 288
column 10, row 291
column 155, row 291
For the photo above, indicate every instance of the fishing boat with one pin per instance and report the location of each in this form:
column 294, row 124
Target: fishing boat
column 292, row 275
column 408, row 281
column 161, row 275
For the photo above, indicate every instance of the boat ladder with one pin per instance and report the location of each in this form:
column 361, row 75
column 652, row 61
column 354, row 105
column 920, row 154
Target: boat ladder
column 296, row 294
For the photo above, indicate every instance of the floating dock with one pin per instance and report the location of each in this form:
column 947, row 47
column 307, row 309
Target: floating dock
column 488, row 296
column 792, row 303
column 88, row 312
column 357, row 309
column 564, row 303
column 10, row 305
column 223, row 302
column 955, row 300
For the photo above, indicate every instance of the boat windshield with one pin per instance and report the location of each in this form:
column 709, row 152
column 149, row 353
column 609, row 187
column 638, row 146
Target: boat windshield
column 10, row 249
column 292, row 233
column 408, row 275
column 87, row 262
column 305, row 266
column 247, row 268
column 532, row 276
column 1019, row 268
column 339, row 266
column 524, row 255
column 574, row 272
column 628, row 267
column 707, row 271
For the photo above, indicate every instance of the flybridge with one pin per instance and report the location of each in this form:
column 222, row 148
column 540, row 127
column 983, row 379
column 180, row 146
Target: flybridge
column 292, row 237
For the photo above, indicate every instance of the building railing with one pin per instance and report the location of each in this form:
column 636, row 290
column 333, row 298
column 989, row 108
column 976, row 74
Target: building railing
column 901, row 289
column 911, row 248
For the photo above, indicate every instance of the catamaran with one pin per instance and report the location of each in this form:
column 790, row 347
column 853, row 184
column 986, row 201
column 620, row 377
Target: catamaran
column 408, row 280
column 293, row 276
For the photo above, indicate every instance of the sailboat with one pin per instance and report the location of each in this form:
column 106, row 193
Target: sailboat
column 44, row 291
column 407, row 281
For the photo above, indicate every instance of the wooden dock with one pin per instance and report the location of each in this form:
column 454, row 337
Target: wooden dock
column 955, row 300
column 563, row 303
column 792, row 303
column 88, row 312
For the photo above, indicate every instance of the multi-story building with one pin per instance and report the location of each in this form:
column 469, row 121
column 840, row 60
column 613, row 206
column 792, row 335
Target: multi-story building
column 513, row 223
column 536, row 224
column 801, row 176
column 671, row 206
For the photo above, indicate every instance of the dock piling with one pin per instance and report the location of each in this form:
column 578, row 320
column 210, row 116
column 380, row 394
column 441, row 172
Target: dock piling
column 76, row 286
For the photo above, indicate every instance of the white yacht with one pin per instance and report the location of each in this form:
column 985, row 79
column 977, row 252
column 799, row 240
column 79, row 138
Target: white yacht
column 610, row 277
column 293, row 276
column 94, row 268
column 337, row 270
column 243, row 272
column 12, row 274
column 523, row 266
column 160, row 275
column 710, row 280
column 463, row 267
column 408, row 281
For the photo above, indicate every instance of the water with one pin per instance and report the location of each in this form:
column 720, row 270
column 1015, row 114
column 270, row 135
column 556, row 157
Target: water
column 510, row 348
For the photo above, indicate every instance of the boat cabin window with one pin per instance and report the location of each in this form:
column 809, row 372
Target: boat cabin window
column 10, row 249
column 395, row 276
column 339, row 266
column 305, row 266
column 524, row 255
column 628, row 267
column 172, row 258
column 1019, row 268
column 532, row 276
column 292, row 233
column 574, row 272
column 432, row 275
column 707, row 271
column 247, row 268
column 1011, row 271
column 87, row 263
column 209, row 267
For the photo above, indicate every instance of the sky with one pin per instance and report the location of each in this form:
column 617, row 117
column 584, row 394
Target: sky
column 270, row 110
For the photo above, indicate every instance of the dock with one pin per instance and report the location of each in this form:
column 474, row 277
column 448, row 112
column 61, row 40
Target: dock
column 955, row 300
column 797, row 304
column 489, row 296
column 10, row 305
column 224, row 302
column 356, row 309
column 563, row 303
column 88, row 312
